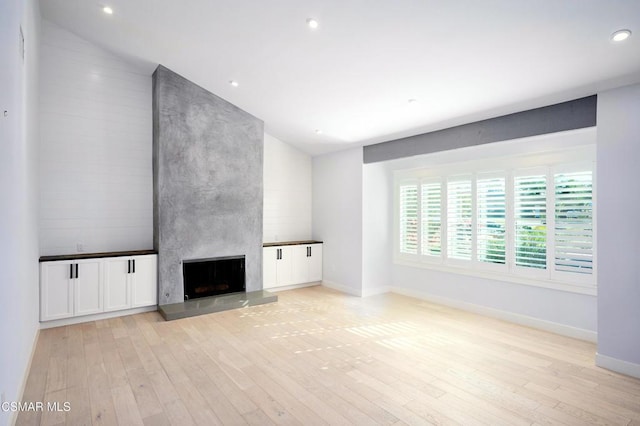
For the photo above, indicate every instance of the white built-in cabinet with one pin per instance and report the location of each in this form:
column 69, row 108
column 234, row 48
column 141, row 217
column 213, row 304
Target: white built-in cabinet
column 291, row 264
column 127, row 282
column 276, row 267
column 72, row 288
column 307, row 263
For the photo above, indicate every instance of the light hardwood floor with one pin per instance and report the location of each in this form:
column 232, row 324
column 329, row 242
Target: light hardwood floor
column 322, row 357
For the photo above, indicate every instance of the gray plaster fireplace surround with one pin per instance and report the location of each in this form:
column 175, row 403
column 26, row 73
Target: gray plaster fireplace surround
column 207, row 187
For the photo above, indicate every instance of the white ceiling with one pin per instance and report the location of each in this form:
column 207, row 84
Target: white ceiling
column 463, row 60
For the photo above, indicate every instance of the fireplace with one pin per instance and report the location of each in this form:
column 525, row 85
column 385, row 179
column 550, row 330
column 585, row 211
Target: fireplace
column 212, row 277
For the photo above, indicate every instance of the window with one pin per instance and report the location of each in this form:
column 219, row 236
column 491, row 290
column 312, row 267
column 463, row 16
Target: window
column 530, row 211
column 574, row 222
column 459, row 216
column 431, row 219
column 513, row 216
column 491, row 220
column 409, row 219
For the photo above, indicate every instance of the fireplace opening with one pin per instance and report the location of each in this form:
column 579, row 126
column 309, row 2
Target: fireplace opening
column 212, row 277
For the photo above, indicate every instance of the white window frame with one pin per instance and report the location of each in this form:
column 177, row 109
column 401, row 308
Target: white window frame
column 521, row 270
column 396, row 221
column 568, row 276
column 548, row 163
column 496, row 267
column 445, row 216
column 443, row 198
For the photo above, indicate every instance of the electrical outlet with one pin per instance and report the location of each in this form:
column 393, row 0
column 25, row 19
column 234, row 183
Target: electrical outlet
column 80, row 247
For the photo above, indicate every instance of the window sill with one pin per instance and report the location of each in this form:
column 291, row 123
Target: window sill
column 588, row 289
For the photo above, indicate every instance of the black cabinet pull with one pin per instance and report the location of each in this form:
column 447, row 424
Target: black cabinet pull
column 129, row 266
column 134, row 266
column 77, row 271
column 71, row 271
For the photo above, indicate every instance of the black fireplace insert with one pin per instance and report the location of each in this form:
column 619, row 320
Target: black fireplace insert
column 212, row 277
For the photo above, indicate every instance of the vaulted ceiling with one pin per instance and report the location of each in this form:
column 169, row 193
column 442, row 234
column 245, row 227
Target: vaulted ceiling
column 350, row 81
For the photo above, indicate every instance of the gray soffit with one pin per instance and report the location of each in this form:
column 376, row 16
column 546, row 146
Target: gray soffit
column 576, row 114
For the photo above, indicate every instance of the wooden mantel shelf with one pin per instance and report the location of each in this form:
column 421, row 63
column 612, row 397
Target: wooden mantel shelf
column 291, row 243
column 77, row 256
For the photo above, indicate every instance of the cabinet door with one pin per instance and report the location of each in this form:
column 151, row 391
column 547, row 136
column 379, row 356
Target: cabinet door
column 299, row 264
column 116, row 284
column 144, row 281
column 284, row 266
column 269, row 267
column 315, row 263
column 56, row 291
column 88, row 287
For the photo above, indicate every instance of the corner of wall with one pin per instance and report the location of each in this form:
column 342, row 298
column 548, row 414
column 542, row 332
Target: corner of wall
column 618, row 203
column 337, row 217
column 618, row 365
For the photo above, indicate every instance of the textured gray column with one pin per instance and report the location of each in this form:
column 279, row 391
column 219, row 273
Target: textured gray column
column 207, row 168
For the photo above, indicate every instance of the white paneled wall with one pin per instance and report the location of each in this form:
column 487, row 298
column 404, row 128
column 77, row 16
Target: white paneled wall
column 287, row 192
column 96, row 190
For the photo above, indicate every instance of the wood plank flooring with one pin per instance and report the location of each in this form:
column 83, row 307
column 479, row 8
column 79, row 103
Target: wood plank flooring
column 319, row 357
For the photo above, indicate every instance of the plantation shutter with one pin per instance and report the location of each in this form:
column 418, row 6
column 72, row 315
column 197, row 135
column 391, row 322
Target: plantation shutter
column 530, row 215
column 459, row 219
column 574, row 222
column 431, row 219
column 409, row 218
column 490, row 221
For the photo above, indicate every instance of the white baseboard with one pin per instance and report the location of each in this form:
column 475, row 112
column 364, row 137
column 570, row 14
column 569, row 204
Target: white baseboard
column 292, row 287
column 96, row 317
column 618, row 365
column 341, row 288
column 359, row 293
column 564, row 330
column 14, row 417
column 375, row 291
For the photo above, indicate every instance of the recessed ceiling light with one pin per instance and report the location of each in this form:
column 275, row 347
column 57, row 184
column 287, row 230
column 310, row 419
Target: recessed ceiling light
column 318, row 131
column 312, row 23
column 107, row 10
column 620, row 35
column 233, row 83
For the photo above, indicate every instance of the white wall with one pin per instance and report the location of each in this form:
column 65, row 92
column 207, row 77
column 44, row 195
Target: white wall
column 377, row 221
column 337, row 217
column 569, row 313
column 618, row 229
column 95, row 149
column 18, row 195
column 559, row 311
column 287, row 192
